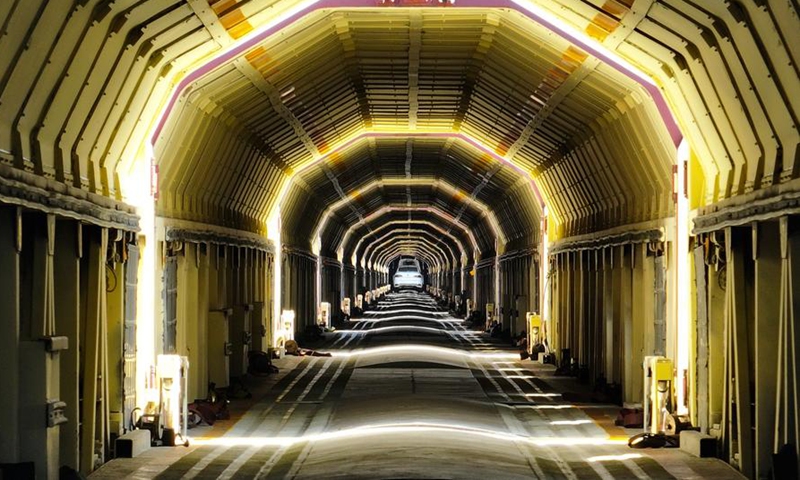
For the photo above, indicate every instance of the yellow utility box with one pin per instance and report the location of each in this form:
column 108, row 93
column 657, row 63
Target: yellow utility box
column 534, row 330
column 659, row 391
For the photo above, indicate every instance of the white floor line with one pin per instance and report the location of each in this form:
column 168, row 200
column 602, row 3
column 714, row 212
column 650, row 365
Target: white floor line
column 333, row 379
column 240, row 461
column 265, row 469
column 203, row 463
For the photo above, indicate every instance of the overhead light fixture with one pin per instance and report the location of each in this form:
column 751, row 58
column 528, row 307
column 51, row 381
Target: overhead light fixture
column 287, row 92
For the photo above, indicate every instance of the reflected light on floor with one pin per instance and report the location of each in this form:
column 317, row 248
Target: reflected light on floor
column 402, row 428
column 404, row 310
column 549, row 407
column 422, row 349
column 611, row 458
column 412, row 328
column 404, row 317
column 387, row 307
column 570, row 422
column 534, row 406
column 543, row 395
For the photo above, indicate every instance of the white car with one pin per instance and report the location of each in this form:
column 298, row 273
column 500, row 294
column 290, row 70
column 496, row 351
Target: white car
column 408, row 275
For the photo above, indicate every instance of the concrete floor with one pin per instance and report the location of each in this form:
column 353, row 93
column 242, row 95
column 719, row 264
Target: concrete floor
column 410, row 394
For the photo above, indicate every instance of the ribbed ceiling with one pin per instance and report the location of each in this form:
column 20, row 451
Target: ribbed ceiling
column 398, row 219
column 84, row 85
column 442, row 172
column 457, row 252
column 486, row 74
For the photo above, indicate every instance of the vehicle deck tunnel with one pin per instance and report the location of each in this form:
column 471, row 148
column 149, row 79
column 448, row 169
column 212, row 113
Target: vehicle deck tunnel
column 607, row 187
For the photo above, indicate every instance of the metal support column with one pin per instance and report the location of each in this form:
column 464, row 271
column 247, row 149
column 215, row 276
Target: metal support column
column 787, row 416
column 94, row 436
column 10, row 246
column 67, row 271
column 767, row 257
column 738, row 421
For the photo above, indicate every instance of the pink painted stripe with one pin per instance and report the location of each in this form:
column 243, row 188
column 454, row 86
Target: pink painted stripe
column 655, row 93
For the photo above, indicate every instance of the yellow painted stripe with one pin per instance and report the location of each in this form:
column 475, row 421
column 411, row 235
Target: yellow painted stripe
column 602, row 25
column 236, row 23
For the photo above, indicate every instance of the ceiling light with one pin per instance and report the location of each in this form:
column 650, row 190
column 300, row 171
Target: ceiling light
column 287, row 92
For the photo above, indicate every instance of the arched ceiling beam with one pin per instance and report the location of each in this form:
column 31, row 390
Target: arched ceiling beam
column 375, row 245
column 416, row 253
column 536, row 14
column 424, row 257
column 369, row 252
column 402, row 208
column 417, row 246
column 423, row 181
column 432, row 221
column 474, row 144
column 533, row 12
column 432, row 225
column 379, row 253
column 409, row 250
